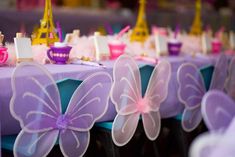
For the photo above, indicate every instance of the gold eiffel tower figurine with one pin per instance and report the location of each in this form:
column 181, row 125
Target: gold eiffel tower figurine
column 196, row 27
column 46, row 33
column 140, row 32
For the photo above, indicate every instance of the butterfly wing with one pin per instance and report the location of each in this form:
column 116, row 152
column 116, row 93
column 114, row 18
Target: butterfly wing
column 125, row 94
column 156, row 93
column 204, row 145
column 191, row 86
column 126, row 89
column 74, row 143
column 218, row 110
column 124, row 127
column 191, row 118
column 35, row 101
column 220, row 73
column 215, row 144
column 35, row 144
column 230, row 82
column 88, row 104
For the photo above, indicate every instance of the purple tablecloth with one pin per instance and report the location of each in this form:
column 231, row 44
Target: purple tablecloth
column 171, row 107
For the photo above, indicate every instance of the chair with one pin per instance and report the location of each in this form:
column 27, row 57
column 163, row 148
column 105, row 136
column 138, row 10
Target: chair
column 218, row 111
column 126, row 70
column 41, row 98
column 192, row 88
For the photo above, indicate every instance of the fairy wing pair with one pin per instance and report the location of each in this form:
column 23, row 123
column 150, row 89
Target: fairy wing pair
column 192, row 89
column 129, row 103
column 36, row 105
column 218, row 111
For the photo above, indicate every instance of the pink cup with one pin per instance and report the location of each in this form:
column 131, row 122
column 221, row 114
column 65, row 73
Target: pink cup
column 216, row 46
column 116, row 50
column 3, row 55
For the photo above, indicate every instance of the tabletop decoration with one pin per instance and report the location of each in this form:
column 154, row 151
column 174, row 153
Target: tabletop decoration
column 3, row 51
column 72, row 38
column 59, row 53
column 174, row 44
column 116, row 46
column 140, row 32
column 46, row 33
column 129, row 103
column 206, row 42
column 23, row 48
column 196, row 28
column 192, row 89
column 36, row 105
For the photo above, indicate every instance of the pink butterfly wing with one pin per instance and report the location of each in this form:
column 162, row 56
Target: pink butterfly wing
column 152, row 124
column 220, row 73
column 35, row 144
column 124, row 127
column 74, row 143
column 230, row 82
column 156, row 93
column 125, row 94
column 126, row 89
column 191, row 118
column 35, row 101
column 157, row 90
column 191, row 86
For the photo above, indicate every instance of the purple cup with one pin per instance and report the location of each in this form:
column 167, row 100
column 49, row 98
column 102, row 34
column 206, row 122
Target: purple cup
column 59, row 55
column 174, row 48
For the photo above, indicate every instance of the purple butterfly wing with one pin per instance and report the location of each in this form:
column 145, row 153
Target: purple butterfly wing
column 156, row 93
column 191, row 86
column 220, row 73
column 230, row 82
column 35, row 144
column 35, row 101
column 218, row 110
column 76, row 145
column 88, row 104
column 204, row 145
column 191, row 118
column 89, row 101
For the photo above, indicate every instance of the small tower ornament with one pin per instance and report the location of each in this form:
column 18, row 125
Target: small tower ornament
column 196, row 27
column 140, row 32
column 46, row 33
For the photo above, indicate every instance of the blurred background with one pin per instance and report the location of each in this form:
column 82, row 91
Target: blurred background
column 92, row 15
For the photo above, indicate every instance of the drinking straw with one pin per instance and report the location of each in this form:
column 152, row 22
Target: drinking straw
column 120, row 34
column 59, row 31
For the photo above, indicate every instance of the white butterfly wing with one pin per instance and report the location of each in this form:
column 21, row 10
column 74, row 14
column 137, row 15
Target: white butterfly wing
column 124, row 127
column 126, row 89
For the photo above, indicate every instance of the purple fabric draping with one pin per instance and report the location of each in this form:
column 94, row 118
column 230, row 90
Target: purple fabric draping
column 171, row 107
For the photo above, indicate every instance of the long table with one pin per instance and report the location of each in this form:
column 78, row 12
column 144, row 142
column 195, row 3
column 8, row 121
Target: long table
column 170, row 108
